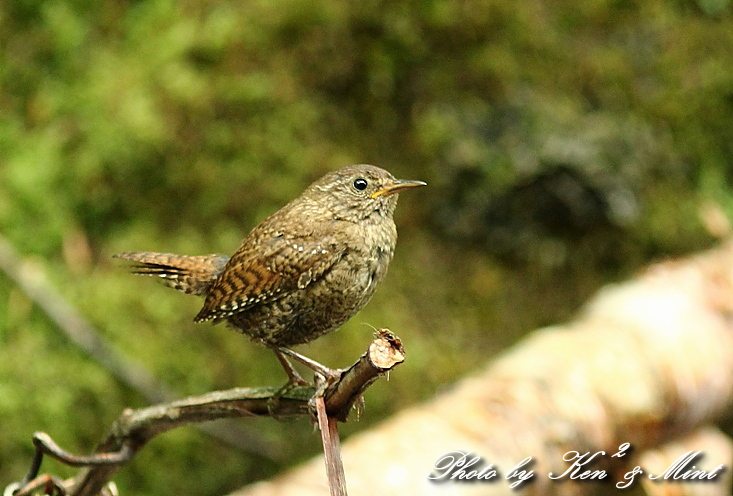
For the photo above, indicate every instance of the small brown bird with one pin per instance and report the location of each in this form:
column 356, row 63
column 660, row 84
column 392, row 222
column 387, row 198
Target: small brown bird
column 303, row 271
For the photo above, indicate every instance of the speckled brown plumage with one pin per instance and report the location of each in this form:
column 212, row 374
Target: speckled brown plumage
column 304, row 270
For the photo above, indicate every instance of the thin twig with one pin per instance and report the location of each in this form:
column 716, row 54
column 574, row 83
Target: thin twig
column 44, row 444
column 49, row 484
column 331, row 449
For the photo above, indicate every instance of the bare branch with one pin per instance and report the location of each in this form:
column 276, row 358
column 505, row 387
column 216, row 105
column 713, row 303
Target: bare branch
column 134, row 428
column 331, row 449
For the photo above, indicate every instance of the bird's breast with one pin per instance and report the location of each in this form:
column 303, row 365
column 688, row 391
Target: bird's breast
column 369, row 256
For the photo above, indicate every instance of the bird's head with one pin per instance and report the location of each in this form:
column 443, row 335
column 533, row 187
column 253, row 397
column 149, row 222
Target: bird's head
column 357, row 192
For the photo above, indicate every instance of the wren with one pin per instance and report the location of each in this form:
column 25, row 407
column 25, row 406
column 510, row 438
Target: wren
column 304, row 270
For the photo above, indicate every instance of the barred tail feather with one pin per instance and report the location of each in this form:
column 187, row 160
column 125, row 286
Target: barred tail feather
column 188, row 274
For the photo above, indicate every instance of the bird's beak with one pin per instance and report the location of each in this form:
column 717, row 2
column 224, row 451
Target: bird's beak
column 396, row 186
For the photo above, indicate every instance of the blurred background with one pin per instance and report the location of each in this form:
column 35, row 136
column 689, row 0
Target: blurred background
column 566, row 145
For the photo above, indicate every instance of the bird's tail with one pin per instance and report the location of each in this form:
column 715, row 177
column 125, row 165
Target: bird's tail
column 188, row 274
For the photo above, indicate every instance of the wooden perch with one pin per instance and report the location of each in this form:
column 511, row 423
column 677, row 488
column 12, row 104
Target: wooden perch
column 134, row 428
column 646, row 363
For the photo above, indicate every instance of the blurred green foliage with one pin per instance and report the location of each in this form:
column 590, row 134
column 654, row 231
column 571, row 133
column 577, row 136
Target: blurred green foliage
column 566, row 143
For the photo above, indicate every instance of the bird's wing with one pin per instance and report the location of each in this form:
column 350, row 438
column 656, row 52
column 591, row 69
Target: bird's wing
column 265, row 271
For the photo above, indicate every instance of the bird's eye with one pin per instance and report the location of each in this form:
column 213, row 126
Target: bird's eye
column 360, row 184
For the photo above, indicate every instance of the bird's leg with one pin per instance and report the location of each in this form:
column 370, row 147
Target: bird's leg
column 324, row 377
column 294, row 380
column 327, row 373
